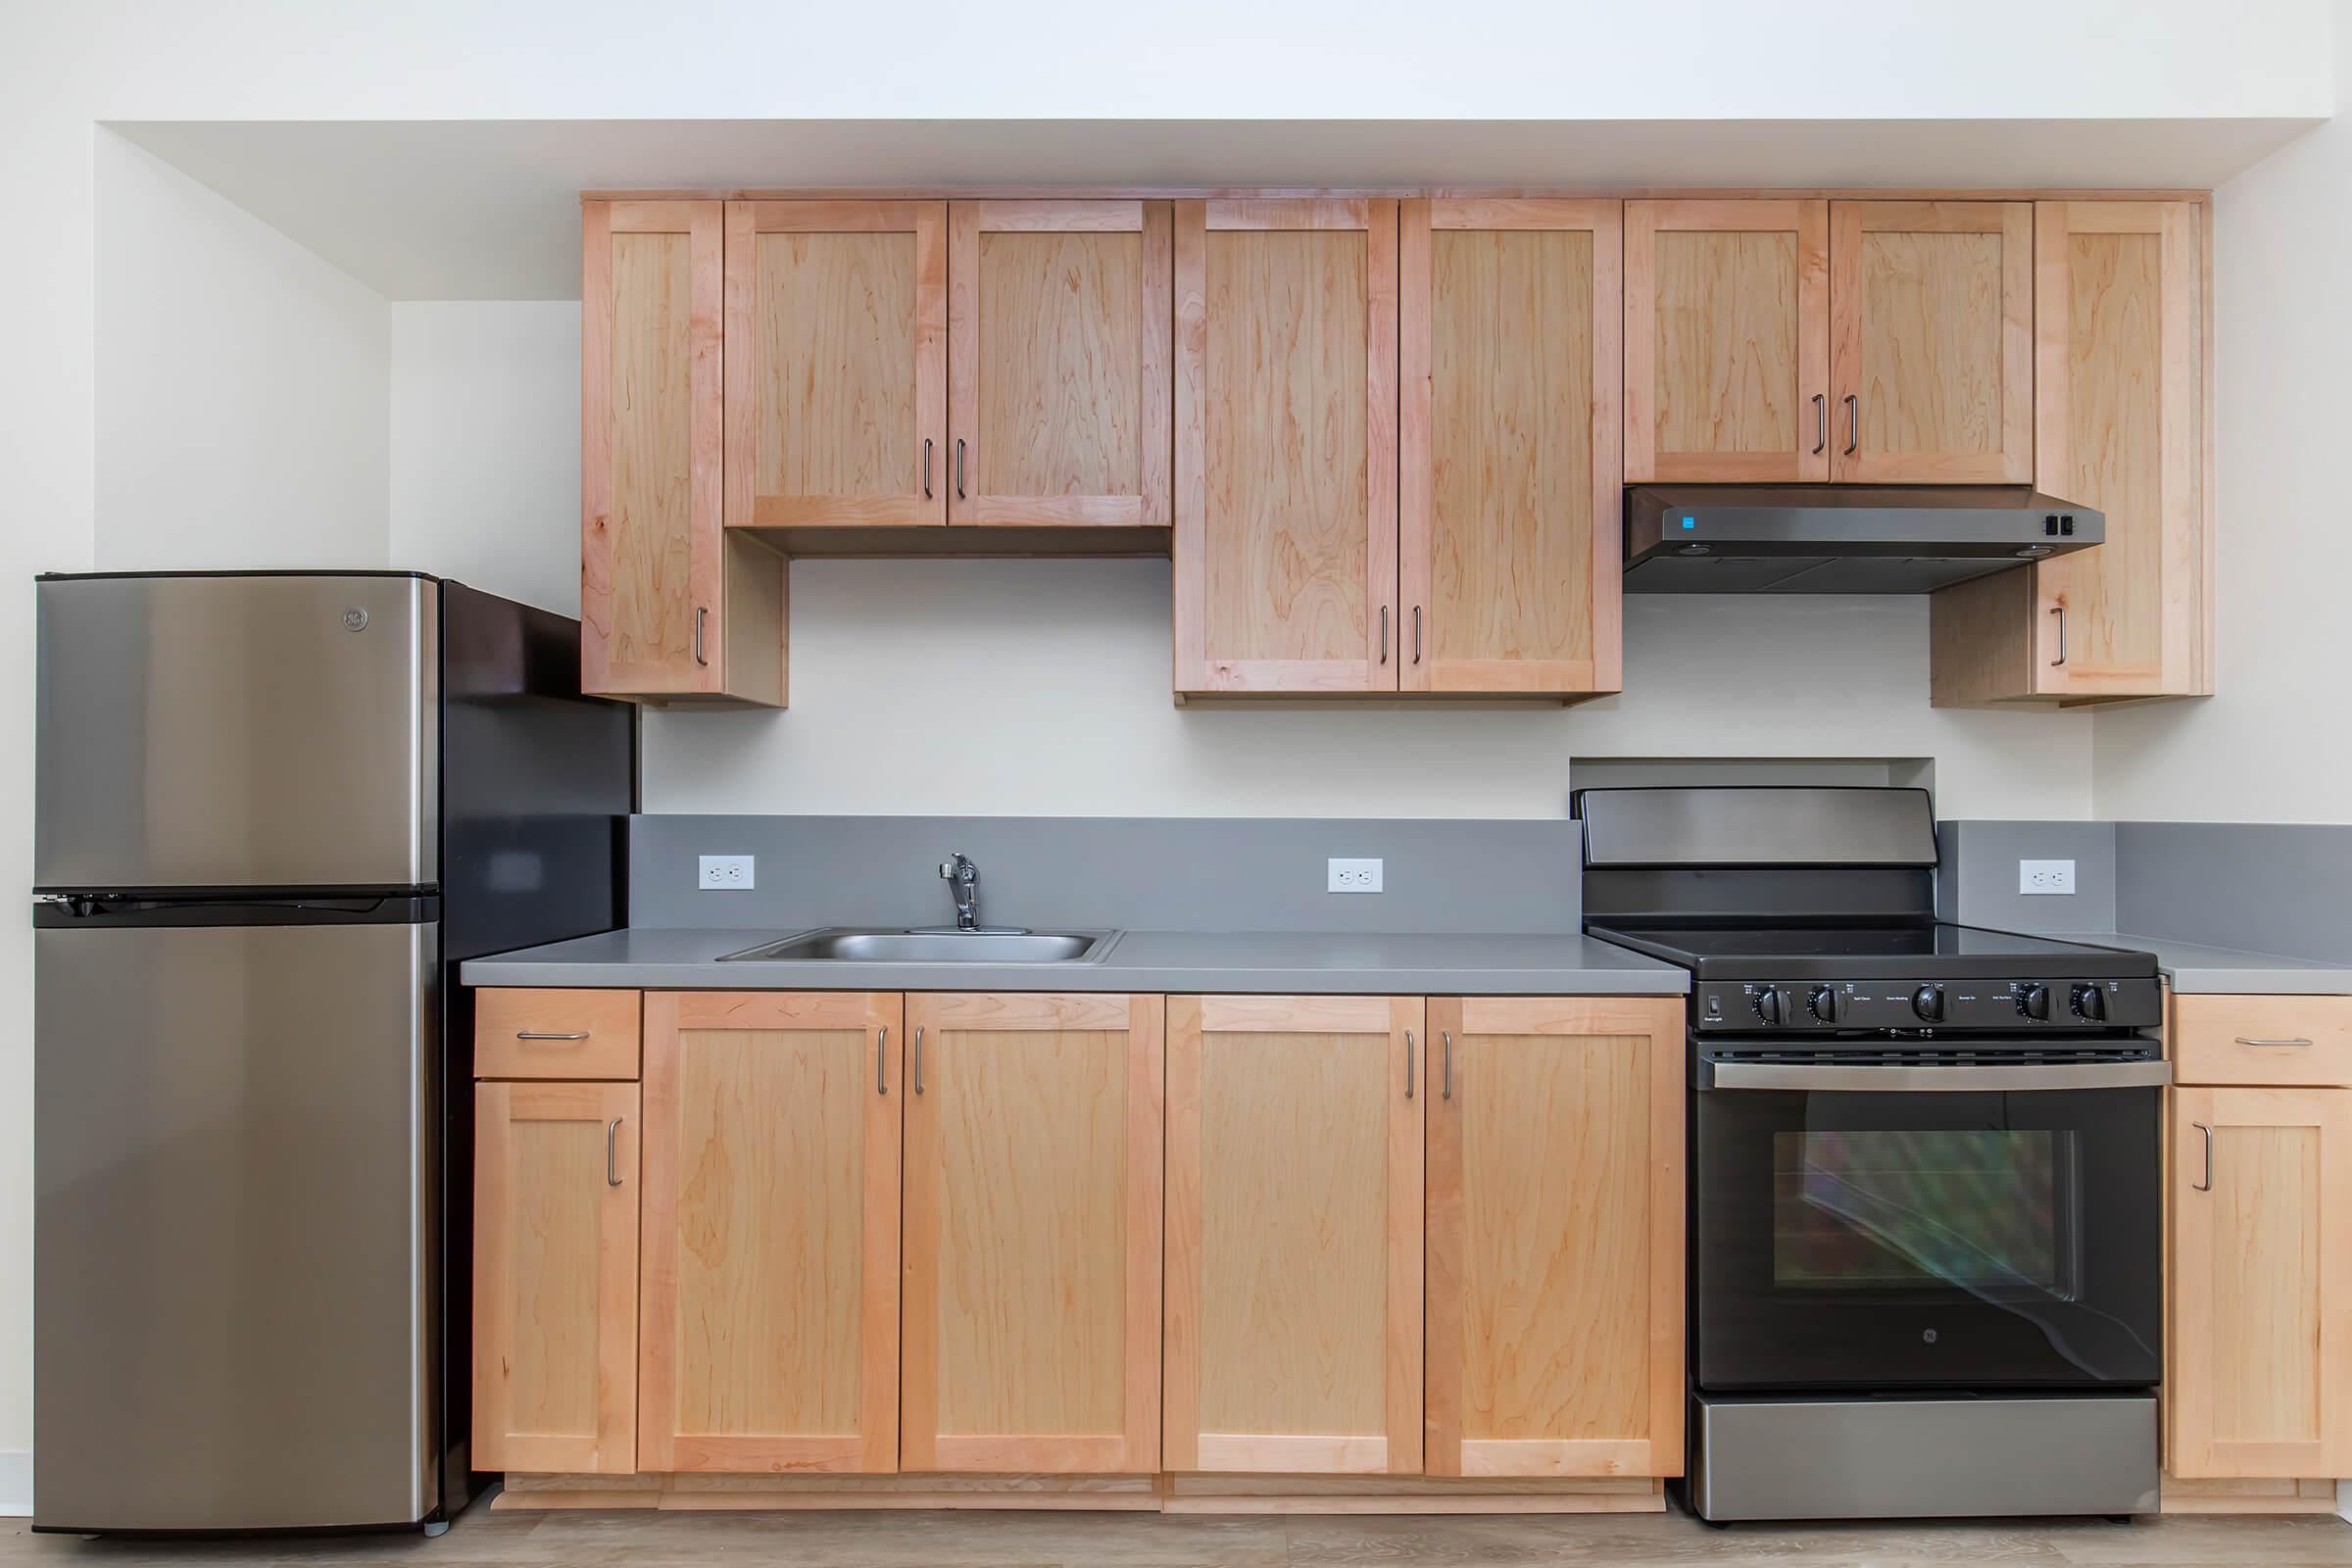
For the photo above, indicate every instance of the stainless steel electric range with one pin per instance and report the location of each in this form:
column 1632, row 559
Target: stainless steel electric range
column 1924, row 1232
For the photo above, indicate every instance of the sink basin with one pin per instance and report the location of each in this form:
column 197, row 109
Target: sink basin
column 865, row 945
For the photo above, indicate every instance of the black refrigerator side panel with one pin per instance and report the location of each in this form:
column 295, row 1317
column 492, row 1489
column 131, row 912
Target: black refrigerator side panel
column 537, row 785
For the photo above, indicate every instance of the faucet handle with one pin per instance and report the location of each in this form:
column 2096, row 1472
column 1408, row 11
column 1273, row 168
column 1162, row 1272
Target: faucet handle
column 947, row 870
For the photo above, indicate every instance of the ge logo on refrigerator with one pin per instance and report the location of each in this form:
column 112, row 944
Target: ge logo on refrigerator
column 355, row 619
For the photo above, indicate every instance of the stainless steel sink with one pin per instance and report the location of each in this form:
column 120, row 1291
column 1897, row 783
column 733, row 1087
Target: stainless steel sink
column 943, row 945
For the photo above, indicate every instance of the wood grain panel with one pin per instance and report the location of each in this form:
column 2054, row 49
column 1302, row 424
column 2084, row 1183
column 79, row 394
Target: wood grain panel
column 555, row 1283
column 1509, row 493
column 2261, row 1377
column 2262, row 1040
column 771, row 1284
column 1294, row 1311
column 1727, row 341
column 835, row 363
column 1286, row 446
column 522, row 1033
column 1060, row 331
column 650, row 440
column 1932, row 309
column 1032, row 1235
column 1555, row 1229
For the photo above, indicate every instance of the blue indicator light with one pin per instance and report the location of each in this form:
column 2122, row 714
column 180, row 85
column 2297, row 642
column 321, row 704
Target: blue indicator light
column 1690, row 523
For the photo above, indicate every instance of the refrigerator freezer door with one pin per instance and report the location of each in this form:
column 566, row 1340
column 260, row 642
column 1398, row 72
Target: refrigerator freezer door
column 223, row 731
column 234, row 1223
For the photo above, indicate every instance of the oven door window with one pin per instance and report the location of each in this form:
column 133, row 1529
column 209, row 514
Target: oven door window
column 1845, row 1240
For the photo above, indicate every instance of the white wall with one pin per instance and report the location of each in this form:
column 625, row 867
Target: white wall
column 241, row 385
column 65, row 67
column 486, row 446
column 2273, row 744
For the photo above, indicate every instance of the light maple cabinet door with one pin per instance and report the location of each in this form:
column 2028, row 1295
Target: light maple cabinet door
column 1931, row 342
column 555, row 1280
column 837, row 362
column 1294, row 1235
column 769, row 1301
column 1727, row 341
column 1032, row 1234
column 1284, row 541
column 1555, row 1237
column 2260, row 1337
column 1058, row 345
column 1511, row 499
column 671, row 606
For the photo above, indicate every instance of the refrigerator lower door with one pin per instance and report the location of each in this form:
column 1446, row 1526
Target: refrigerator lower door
column 234, row 1220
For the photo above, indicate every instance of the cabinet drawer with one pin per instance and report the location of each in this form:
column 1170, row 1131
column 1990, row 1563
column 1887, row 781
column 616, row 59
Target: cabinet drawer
column 555, row 1034
column 2263, row 1040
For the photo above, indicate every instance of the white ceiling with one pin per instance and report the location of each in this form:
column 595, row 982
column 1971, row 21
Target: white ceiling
column 444, row 210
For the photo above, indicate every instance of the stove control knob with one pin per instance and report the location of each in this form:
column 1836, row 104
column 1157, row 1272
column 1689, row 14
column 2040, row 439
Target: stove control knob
column 1825, row 1004
column 2090, row 1003
column 1771, row 1005
column 2033, row 1001
column 1927, row 1002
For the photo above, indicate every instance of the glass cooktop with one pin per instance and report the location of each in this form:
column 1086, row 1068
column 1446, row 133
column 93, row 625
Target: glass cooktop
column 1796, row 950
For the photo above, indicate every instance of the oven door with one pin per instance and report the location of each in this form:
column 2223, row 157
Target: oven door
column 1894, row 1228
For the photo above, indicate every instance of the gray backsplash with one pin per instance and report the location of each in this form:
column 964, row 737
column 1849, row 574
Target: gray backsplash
column 1978, row 882
column 1138, row 873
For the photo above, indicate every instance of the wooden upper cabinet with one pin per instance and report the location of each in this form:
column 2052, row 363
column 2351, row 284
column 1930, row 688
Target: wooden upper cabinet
column 670, row 608
column 2119, row 336
column 1931, row 342
column 1555, row 1237
column 555, row 1279
column 1294, row 1235
column 1058, row 344
column 1286, row 446
column 837, row 362
column 1510, row 535
column 2260, row 1382
column 769, row 1305
column 1727, row 341
column 1032, row 1234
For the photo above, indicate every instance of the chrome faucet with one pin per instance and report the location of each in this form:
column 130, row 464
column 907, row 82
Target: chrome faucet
column 962, row 878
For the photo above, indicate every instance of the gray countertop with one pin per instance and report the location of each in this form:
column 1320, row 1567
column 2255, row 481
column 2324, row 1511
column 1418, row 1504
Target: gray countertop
column 1140, row 960
column 2195, row 968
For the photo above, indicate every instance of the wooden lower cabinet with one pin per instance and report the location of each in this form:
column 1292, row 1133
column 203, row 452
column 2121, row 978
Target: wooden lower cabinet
column 555, row 1276
column 1555, row 1237
column 1294, row 1218
column 1032, row 1234
column 769, row 1297
column 2261, row 1334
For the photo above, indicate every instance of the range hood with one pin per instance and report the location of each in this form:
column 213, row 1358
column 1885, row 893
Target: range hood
column 1841, row 539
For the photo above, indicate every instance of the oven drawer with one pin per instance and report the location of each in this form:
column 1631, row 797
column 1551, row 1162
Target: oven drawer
column 555, row 1034
column 2267, row 1040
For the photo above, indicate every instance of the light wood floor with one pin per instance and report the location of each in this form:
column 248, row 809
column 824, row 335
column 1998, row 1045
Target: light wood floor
column 483, row 1540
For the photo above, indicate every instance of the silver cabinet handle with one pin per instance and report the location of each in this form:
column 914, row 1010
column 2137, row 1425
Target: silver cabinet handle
column 1384, row 634
column 926, row 467
column 881, row 1072
column 611, row 1139
column 2282, row 1044
column 1853, row 423
column 918, row 1058
column 1416, row 634
column 1447, row 1036
column 2205, row 1186
column 535, row 1034
column 1821, row 423
column 1408, row 1064
column 960, row 467
column 2060, row 611
column 700, row 611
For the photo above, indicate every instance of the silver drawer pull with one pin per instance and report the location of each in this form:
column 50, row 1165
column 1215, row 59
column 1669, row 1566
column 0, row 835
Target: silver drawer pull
column 535, row 1034
column 1408, row 1064
column 2244, row 1040
column 2205, row 1186
column 611, row 1139
column 881, row 1072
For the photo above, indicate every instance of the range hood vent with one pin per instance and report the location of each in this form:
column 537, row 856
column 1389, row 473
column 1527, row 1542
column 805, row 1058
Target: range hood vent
column 1841, row 539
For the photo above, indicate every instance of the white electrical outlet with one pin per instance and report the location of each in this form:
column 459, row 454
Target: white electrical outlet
column 2046, row 876
column 731, row 873
column 1351, row 876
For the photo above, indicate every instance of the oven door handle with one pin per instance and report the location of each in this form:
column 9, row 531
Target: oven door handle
column 1843, row 1079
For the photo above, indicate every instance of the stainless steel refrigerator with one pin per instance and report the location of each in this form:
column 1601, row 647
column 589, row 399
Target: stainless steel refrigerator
column 274, row 810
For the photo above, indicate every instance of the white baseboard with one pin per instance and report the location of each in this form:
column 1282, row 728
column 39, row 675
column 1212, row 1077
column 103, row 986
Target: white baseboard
column 16, row 1483
column 2343, row 1498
